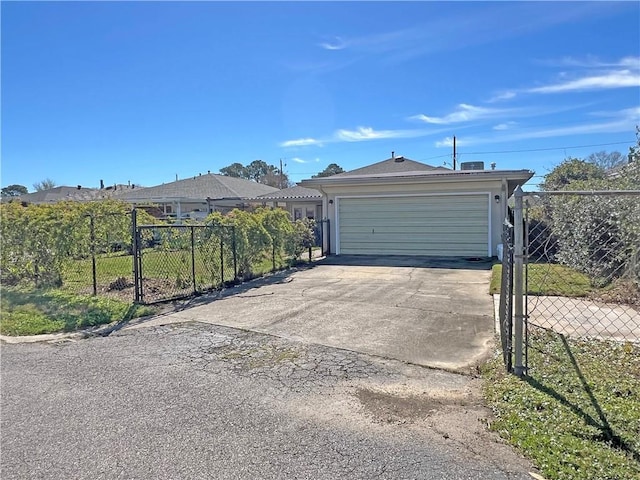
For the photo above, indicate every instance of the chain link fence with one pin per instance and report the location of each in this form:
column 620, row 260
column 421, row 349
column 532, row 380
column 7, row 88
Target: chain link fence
column 579, row 268
column 176, row 261
column 99, row 261
column 583, row 264
column 105, row 252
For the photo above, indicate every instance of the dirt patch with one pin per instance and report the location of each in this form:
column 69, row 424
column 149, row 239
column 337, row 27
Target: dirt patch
column 395, row 408
column 624, row 292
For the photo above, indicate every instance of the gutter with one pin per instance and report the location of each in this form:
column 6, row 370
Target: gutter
column 469, row 175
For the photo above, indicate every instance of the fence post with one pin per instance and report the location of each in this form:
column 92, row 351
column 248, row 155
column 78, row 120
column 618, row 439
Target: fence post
column 518, row 256
column 221, row 258
column 92, row 239
column 235, row 255
column 193, row 260
column 135, row 253
column 273, row 255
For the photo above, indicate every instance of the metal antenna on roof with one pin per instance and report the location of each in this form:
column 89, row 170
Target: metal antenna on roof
column 454, row 152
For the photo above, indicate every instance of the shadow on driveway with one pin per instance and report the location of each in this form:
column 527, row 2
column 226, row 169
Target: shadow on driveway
column 480, row 263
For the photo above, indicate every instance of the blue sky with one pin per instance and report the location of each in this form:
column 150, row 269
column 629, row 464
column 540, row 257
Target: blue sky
column 145, row 91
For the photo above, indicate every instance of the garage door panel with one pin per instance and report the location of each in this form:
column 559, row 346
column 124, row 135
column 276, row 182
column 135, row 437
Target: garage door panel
column 448, row 230
column 414, row 225
column 364, row 226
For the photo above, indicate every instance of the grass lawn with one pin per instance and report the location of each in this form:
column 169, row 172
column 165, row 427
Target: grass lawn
column 549, row 279
column 577, row 414
column 34, row 312
column 163, row 264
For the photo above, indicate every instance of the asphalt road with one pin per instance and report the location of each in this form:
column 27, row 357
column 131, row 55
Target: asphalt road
column 196, row 401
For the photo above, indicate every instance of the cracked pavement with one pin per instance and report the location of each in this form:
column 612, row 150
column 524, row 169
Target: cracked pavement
column 194, row 400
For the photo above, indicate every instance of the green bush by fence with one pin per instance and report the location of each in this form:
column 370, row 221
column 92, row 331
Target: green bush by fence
column 265, row 234
column 37, row 240
column 52, row 245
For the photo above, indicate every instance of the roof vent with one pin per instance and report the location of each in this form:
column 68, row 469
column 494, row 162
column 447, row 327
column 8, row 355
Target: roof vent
column 472, row 166
column 397, row 159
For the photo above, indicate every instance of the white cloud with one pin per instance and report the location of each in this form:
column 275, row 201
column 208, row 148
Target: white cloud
column 508, row 95
column 614, row 79
column 632, row 113
column 298, row 160
column 368, row 133
column 463, row 113
column 337, row 44
column 594, row 62
column 504, row 126
column 620, row 122
column 301, row 142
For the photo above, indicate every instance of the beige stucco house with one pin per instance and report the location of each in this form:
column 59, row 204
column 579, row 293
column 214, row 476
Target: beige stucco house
column 300, row 202
column 402, row 207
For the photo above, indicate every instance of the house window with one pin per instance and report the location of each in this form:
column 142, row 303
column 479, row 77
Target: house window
column 311, row 213
column 297, row 214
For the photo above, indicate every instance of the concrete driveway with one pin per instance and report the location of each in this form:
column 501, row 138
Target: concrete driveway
column 430, row 312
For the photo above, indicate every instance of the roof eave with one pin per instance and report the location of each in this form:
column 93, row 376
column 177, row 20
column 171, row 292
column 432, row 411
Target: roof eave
column 467, row 175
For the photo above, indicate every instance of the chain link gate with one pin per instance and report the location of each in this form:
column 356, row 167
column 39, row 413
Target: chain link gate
column 575, row 267
column 505, row 308
column 177, row 261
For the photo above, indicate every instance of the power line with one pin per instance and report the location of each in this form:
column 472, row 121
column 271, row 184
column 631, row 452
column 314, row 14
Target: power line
column 548, row 149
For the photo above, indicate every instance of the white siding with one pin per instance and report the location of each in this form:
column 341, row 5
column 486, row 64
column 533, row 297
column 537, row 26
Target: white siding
column 448, row 225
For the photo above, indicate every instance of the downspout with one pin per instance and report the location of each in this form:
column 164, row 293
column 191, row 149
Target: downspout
column 504, row 205
column 326, row 242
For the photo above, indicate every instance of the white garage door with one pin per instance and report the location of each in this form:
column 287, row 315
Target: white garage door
column 449, row 225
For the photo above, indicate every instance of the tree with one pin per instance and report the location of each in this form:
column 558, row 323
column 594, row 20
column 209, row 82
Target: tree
column 14, row 191
column 594, row 234
column 258, row 171
column 235, row 170
column 45, row 184
column 569, row 171
column 332, row 169
column 274, row 178
column 606, row 160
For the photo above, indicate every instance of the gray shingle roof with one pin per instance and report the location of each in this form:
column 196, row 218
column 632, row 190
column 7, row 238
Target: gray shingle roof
column 58, row 194
column 215, row 187
column 292, row 193
column 391, row 165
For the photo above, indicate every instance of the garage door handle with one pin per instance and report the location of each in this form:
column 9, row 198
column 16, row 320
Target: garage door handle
column 373, row 230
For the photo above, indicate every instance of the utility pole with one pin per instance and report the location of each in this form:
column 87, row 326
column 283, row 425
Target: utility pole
column 454, row 152
column 281, row 174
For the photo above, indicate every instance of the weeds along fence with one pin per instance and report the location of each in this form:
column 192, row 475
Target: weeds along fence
column 576, row 268
column 104, row 248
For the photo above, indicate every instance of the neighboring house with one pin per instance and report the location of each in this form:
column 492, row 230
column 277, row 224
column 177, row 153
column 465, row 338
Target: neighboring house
column 299, row 201
column 199, row 195
column 79, row 194
column 402, row 207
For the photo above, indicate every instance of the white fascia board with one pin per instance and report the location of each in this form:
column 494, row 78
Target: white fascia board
column 447, row 177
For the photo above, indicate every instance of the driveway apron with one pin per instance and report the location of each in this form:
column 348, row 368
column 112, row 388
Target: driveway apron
column 430, row 312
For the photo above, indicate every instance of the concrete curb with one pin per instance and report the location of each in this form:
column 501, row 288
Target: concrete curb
column 57, row 337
